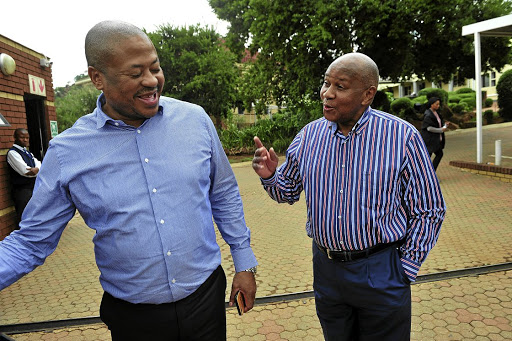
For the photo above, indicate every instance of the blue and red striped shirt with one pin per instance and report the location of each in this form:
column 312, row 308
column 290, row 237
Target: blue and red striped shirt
column 376, row 185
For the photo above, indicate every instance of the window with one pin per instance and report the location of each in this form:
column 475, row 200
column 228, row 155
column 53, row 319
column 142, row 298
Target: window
column 493, row 78
column 485, row 80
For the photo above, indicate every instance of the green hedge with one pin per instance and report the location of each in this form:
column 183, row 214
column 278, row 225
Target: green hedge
column 400, row 105
column 471, row 102
column 464, row 91
column 277, row 132
column 459, row 108
column 504, row 90
column 435, row 92
column 453, row 98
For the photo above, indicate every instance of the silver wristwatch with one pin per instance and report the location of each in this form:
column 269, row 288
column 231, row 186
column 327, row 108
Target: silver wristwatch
column 253, row 270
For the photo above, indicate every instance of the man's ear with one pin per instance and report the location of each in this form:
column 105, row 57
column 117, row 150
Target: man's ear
column 96, row 77
column 369, row 94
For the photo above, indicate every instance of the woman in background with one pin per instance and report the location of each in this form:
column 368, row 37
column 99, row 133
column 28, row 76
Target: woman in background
column 432, row 130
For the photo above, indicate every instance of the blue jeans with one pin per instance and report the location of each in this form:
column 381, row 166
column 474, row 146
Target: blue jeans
column 366, row 299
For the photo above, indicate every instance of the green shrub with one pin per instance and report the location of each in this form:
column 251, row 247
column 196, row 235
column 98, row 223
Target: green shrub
column 453, row 99
column 459, row 108
column 464, row 91
column 281, row 145
column 488, row 114
column 504, row 90
column 471, row 102
column 400, row 105
column 419, row 104
column 381, row 101
column 467, row 95
column 277, row 132
column 488, row 102
column 419, row 100
column 435, row 92
column 77, row 102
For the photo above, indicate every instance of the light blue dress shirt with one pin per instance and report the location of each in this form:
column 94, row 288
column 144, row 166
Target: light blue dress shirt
column 149, row 193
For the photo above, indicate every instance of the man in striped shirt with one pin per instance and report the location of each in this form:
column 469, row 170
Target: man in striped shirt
column 374, row 205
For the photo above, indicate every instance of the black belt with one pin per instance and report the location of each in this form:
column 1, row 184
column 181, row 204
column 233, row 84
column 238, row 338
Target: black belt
column 347, row 256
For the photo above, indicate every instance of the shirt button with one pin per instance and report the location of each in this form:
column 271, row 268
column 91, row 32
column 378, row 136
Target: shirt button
column 173, row 281
column 342, row 166
column 116, row 123
column 162, row 221
column 154, row 190
column 341, row 191
column 339, row 217
column 138, row 131
column 169, row 253
column 146, row 160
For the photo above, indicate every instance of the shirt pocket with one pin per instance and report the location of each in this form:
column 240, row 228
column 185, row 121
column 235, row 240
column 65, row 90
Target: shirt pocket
column 378, row 189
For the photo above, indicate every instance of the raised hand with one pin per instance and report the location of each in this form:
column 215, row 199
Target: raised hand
column 265, row 161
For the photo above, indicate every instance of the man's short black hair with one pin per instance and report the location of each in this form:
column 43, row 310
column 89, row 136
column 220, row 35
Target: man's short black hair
column 20, row 131
column 102, row 38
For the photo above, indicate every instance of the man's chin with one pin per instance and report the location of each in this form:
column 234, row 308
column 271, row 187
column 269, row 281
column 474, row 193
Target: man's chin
column 148, row 112
column 330, row 117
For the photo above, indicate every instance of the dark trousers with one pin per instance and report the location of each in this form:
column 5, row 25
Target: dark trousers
column 366, row 300
column 437, row 159
column 200, row 316
column 21, row 196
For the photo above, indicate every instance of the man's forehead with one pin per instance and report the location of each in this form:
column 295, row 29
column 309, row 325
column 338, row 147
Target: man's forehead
column 339, row 75
column 346, row 68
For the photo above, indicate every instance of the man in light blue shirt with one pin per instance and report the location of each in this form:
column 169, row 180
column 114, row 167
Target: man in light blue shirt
column 147, row 173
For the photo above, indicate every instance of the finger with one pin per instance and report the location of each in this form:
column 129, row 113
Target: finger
column 260, row 159
column 260, row 151
column 273, row 155
column 257, row 141
column 249, row 303
column 232, row 297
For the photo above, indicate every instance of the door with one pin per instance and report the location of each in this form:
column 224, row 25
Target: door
column 36, row 125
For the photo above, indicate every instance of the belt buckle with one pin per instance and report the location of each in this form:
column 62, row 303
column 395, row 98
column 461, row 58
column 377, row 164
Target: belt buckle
column 329, row 254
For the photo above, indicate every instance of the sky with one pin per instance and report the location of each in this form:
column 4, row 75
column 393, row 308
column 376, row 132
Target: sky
column 57, row 28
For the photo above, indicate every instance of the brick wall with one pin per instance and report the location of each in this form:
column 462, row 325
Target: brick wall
column 12, row 107
column 497, row 172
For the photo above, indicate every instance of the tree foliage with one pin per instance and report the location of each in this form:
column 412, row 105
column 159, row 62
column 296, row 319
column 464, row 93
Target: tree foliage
column 198, row 68
column 76, row 102
column 296, row 40
column 504, row 90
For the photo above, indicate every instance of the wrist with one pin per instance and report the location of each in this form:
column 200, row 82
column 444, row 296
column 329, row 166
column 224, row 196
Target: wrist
column 252, row 270
column 268, row 177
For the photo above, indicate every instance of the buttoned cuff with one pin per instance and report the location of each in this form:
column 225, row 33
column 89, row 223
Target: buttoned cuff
column 270, row 181
column 244, row 259
column 411, row 268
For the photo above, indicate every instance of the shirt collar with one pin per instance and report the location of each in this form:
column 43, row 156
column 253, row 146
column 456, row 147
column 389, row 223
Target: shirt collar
column 358, row 127
column 19, row 147
column 102, row 119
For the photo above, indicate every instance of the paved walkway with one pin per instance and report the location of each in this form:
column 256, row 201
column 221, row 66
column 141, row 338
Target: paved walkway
column 477, row 231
